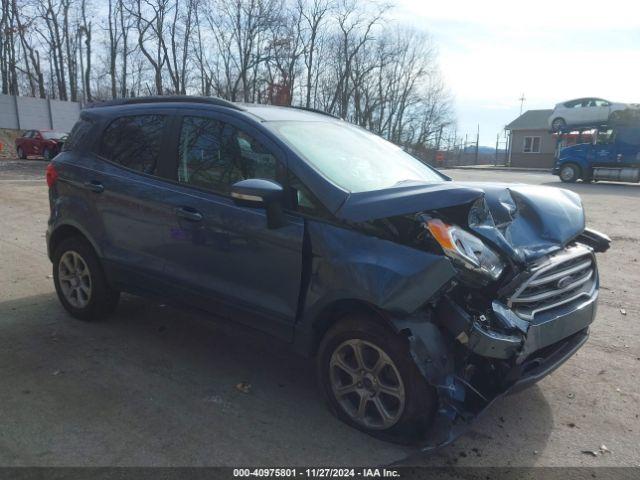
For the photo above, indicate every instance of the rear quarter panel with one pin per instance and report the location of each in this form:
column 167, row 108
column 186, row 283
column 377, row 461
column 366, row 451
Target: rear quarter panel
column 69, row 202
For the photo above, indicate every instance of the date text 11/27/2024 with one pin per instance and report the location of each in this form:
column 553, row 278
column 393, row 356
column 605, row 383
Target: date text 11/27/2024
column 316, row 472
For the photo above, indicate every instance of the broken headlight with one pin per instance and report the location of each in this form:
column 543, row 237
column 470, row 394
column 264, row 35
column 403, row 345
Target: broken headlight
column 466, row 249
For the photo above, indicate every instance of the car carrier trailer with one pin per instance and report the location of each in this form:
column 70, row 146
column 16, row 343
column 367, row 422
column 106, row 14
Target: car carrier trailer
column 612, row 155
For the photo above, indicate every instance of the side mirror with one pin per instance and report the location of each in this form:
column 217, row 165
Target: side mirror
column 256, row 193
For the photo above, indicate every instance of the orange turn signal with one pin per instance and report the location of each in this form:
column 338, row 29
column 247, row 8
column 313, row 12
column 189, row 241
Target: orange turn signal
column 440, row 232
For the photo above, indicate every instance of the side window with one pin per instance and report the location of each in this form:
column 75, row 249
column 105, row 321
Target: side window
column 134, row 141
column 27, row 134
column 77, row 135
column 605, row 137
column 215, row 155
column 303, row 200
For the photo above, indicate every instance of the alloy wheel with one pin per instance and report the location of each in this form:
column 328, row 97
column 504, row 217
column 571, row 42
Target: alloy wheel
column 367, row 384
column 75, row 279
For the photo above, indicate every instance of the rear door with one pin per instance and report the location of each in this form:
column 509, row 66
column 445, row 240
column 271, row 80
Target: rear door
column 598, row 110
column 222, row 254
column 124, row 179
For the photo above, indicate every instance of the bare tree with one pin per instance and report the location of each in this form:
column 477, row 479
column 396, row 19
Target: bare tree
column 341, row 56
column 8, row 55
column 151, row 16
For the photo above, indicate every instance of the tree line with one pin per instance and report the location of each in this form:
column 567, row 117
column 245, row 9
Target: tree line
column 345, row 57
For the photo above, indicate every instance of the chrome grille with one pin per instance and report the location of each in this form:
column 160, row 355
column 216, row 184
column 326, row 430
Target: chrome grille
column 564, row 278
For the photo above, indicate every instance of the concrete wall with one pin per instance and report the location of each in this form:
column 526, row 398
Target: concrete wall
column 64, row 115
column 544, row 159
column 26, row 113
column 8, row 117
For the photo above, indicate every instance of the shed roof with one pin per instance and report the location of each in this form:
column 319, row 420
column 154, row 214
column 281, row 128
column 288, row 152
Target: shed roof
column 531, row 120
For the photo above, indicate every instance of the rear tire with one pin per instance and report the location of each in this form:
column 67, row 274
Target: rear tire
column 371, row 382
column 21, row 154
column 47, row 154
column 569, row 173
column 558, row 124
column 80, row 281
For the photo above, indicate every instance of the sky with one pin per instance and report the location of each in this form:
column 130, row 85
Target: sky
column 492, row 52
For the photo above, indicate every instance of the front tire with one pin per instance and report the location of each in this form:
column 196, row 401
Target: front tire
column 371, row 382
column 21, row 154
column 569, row 173
column 47, row 154
column 80, row 281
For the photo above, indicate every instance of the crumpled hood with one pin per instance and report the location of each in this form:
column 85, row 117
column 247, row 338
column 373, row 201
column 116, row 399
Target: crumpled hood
column 527, row 221
column 524, row 221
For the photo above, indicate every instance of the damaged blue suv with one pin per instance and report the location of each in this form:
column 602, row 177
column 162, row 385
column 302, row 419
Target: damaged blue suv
column 422, row 299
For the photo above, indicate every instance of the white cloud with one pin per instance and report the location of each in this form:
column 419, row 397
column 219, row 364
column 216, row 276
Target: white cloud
column 491, row 52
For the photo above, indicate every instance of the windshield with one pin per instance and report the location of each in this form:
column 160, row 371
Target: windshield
column 53, row 135
column 351, row 157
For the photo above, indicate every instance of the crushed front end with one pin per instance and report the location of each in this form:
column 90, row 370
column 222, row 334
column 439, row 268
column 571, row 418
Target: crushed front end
column 511, row 316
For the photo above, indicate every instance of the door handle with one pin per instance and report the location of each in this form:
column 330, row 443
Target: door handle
column 94, row 186
column 189, row 214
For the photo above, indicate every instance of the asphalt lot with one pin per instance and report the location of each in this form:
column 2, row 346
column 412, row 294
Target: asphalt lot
column 156, row 386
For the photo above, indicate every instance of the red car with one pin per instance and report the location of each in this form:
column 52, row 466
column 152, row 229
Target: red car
column 42, row 143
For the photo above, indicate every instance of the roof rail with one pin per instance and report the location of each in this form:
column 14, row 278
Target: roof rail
column 166, row 99
column 314, row 110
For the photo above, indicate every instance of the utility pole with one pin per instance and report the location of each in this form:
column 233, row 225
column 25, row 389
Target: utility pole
column 439, row 139
column 464, row 149
column 522, row 99
column 477, row 143
column 497, row 146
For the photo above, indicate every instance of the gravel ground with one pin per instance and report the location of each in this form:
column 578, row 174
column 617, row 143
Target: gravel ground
column 156, row 386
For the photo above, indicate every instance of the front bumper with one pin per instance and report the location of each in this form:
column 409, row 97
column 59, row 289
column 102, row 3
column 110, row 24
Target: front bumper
column 547, row 328
column 500, row 363
column 452, row 421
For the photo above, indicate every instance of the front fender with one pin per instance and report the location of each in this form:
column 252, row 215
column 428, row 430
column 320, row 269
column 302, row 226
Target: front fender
column 345, row 264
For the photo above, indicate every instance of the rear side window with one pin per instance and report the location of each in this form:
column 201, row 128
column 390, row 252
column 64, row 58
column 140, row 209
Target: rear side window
column 77, row 136
column 214, row 155
column 134, row 142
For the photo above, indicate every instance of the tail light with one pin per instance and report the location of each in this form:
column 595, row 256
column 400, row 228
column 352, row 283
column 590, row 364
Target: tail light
column 51, row 175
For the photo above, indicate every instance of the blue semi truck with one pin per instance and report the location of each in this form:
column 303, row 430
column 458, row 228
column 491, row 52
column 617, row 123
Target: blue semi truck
column 612, row 155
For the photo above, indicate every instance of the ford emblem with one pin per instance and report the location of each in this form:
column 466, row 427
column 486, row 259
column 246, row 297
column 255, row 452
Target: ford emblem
column 563, row 282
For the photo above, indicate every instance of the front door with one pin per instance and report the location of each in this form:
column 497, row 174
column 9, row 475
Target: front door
column 223, row 255
column 604, row 150
column 36, row 143
column 628, row 145
column 27, row 143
